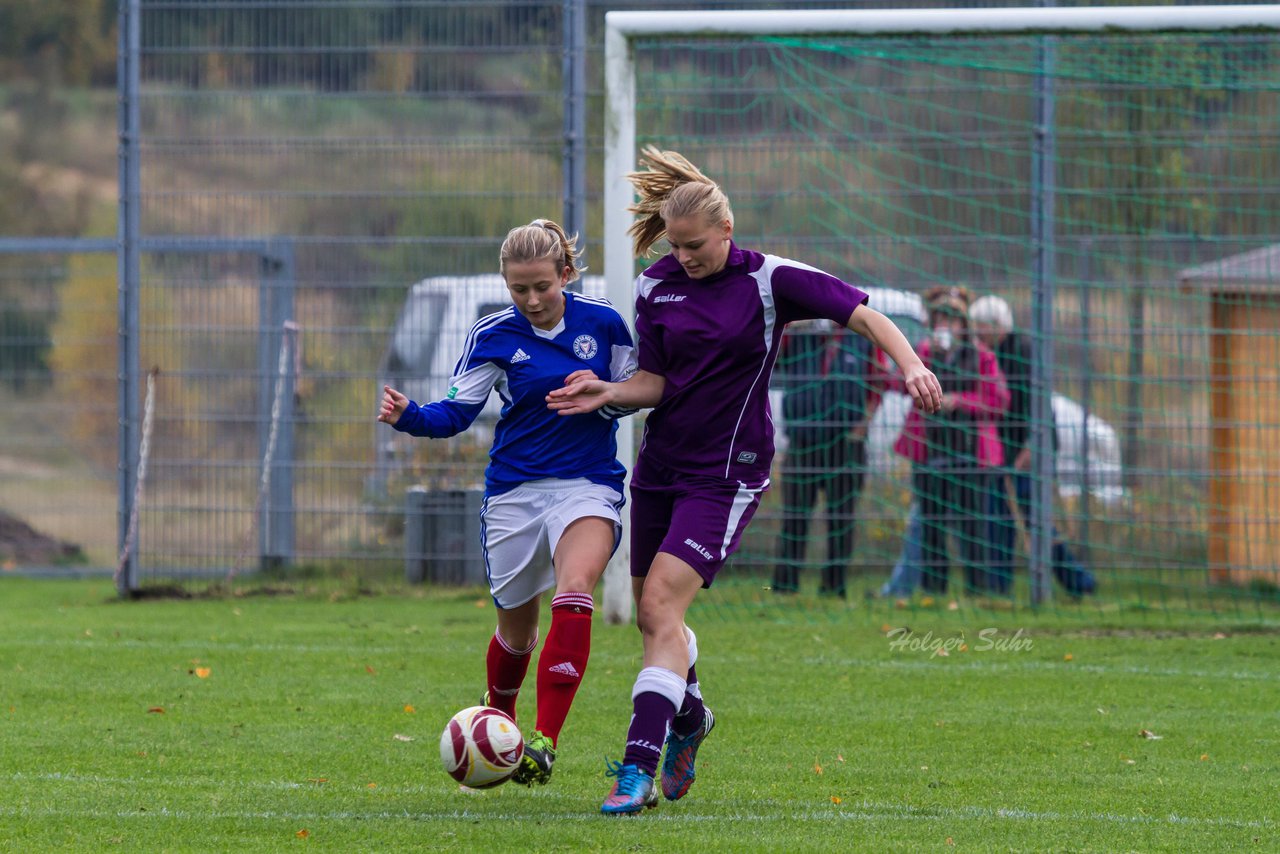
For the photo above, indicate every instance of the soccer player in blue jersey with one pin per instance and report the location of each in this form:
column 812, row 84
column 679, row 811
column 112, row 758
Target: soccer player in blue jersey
column 709, row 316
column 553, row 487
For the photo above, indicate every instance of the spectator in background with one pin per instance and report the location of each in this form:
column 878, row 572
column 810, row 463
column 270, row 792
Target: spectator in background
column 956, row 450
column 992, row 322
column 830, row 379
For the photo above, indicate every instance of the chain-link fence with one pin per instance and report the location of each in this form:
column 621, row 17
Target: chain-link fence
column 302, row 164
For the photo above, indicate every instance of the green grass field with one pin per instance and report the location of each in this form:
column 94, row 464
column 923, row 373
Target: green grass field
column 312, row 720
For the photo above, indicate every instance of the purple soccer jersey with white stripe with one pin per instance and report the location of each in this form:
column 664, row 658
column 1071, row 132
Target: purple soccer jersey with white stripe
column 715, row 340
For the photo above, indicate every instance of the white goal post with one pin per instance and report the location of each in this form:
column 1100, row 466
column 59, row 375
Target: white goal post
column 621, row 28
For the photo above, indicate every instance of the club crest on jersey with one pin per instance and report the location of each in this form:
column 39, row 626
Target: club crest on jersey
column 584, row 347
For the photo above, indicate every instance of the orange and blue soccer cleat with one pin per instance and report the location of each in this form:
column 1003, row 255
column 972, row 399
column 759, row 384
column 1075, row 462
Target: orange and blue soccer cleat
column 677, row 763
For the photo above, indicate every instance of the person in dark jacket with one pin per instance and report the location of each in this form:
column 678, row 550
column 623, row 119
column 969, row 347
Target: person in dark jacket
column 992, row 322
column 830, row 382
column 955, row 451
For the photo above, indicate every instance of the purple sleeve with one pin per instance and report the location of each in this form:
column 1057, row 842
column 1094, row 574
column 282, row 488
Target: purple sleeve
column 648, row 352
column 802, row 292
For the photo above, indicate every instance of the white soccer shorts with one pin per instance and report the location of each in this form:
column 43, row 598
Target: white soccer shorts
column 522, row 528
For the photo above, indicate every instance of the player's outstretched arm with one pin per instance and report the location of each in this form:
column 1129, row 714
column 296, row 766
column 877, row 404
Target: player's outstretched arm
column 920, row 382
column 584, row 392
column 393, row 405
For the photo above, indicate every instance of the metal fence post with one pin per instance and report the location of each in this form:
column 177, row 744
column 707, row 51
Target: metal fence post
column 128, row 228
column 1042, row 299
column 575, row 121
column 276, row 291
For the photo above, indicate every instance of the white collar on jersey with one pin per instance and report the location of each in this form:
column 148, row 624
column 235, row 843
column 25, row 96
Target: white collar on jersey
column 548, row 333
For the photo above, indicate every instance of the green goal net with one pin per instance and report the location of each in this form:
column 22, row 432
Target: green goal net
column 1119, row 193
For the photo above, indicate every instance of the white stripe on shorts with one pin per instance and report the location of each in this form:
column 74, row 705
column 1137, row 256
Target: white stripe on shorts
column 741, row 501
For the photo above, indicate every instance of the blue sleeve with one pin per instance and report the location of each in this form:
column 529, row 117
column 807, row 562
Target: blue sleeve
column 622, row 363
column 438, row 420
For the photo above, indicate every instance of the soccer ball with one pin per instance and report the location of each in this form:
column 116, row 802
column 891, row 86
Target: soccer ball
column 481, row 747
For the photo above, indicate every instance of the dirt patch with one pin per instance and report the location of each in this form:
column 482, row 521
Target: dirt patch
column 21, row 544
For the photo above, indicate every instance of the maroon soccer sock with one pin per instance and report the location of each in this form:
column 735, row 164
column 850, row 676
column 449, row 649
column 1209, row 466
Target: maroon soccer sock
column 563, row 660
column 654, row 699
column 506, row 668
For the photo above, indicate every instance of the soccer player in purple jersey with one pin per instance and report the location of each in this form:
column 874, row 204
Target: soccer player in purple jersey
column 553, row 488
column 709, row 316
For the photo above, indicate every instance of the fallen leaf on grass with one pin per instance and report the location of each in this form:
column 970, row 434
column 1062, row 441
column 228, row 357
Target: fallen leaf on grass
column 1146, row 733
column 835, row 799
column 156, row 710
column 1219, row 636
column 817, row 767
column 371, row 785
column 839, row 757
column 317, row 780
column 303, row 834
column 1068, row 657
column 399, row 737
column 202, row 672
column 1204, row 757
column 368, row 668
column 950, row 841
column 408, row 710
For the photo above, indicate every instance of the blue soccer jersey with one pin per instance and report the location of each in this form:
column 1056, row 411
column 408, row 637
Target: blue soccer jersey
column 506, row 353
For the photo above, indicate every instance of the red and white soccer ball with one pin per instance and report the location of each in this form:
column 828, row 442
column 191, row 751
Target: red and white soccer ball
column 481, row 747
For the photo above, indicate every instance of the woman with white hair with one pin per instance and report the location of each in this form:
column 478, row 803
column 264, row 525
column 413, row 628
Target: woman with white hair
column 992, row 323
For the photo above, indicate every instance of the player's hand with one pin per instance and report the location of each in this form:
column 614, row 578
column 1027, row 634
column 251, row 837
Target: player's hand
column 393, row 405
column 582, row 392
column 924, row 388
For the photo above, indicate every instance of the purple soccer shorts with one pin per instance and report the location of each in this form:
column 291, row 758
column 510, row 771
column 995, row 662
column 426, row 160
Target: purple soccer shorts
column 697, row 519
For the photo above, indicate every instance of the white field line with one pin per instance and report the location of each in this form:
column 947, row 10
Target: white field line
column 865, row 812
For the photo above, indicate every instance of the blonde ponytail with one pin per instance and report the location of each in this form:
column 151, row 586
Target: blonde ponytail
column 670, row 187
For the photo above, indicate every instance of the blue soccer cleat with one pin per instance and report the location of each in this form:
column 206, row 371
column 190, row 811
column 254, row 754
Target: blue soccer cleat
column 632, row 792
column 677, row 763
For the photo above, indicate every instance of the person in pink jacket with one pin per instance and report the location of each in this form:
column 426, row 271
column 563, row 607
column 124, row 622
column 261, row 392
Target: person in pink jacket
column 955, row 452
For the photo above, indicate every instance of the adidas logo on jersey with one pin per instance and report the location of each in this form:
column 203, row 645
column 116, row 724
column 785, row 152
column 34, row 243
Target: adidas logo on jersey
column 565, row 667
column 520, row 356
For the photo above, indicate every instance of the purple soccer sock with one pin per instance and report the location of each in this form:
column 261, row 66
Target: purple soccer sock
column 654, row 699
column 690, row 717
